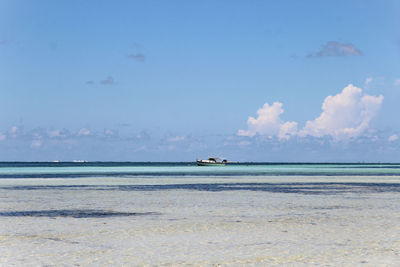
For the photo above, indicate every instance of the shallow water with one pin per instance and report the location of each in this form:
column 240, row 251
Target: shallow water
column 113, row 169
column 229, row 220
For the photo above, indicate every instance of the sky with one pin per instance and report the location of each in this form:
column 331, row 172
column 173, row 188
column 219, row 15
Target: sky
column 268, row 81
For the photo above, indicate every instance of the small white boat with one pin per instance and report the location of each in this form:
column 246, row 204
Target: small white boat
column 216, row 161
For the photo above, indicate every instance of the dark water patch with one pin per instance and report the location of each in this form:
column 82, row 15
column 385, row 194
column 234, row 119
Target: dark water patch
column 299, row 188
column 331, row 208
column 198, row 173
column 54, row 239
column 74, row 213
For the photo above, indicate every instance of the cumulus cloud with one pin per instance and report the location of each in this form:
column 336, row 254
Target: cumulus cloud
column 393, row 138
column 344, row 115
column 137, row 57
column 397, row 82
column 269, row 123
column 337, row 49
column 2, row 137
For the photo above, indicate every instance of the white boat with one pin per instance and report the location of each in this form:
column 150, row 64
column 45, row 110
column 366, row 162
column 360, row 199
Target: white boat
column 216, row 161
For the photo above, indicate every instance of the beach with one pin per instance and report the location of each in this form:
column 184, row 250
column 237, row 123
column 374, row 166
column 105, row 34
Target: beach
column 199, row 133
column 200, row 221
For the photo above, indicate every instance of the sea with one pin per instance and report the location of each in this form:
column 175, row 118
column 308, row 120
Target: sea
column 180, row 214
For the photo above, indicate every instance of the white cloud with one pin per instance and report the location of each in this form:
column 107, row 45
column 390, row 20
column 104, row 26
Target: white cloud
column 393, row 138
column 344, row 115
column 368, row 81
column 269, row 123
column 83, row 132
column 2, row 136
column 287, row 130
column 397, row 82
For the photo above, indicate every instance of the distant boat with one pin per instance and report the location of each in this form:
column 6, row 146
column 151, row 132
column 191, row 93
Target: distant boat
column 216, row 161
column 78, row 161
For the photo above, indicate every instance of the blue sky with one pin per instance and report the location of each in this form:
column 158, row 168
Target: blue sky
column 178, row 80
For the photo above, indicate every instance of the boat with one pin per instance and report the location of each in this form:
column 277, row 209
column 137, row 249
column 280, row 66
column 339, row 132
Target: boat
column 215, row 161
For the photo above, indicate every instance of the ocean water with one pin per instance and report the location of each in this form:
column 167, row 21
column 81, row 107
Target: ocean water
column 172, row 214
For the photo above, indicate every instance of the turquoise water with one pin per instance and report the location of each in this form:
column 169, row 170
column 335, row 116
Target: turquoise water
column 113, row 169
